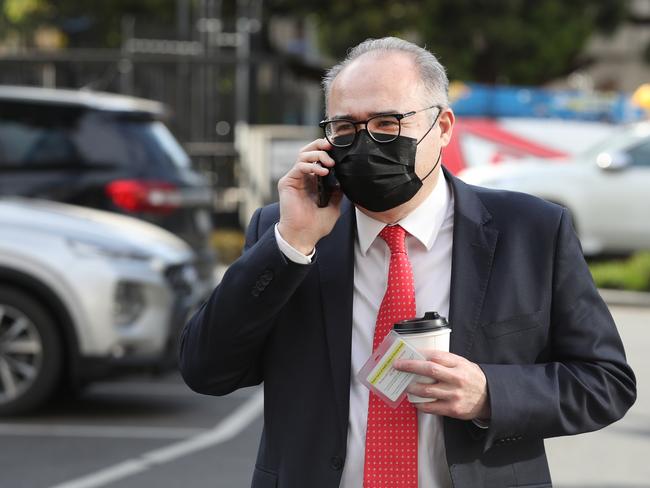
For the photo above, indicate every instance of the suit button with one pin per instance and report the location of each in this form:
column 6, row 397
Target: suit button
column 336, row 463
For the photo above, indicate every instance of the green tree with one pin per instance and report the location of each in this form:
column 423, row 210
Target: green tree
column 89, row 24
column 508, row 41
column 505, row 41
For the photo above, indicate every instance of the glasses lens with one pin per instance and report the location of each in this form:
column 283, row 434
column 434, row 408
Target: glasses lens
column 340, row 133
column 384, row 128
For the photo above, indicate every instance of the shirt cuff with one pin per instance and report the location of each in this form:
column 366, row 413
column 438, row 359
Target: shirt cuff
column 481, row 424
column 291, row 253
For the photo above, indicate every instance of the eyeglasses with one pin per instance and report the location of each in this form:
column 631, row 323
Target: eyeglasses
column 382, row 128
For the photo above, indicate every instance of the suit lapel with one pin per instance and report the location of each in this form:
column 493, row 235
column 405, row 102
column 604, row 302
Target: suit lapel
column 335, row 258
column 472, row 255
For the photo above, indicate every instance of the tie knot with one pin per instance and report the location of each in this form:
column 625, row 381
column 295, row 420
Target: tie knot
column 394, row 235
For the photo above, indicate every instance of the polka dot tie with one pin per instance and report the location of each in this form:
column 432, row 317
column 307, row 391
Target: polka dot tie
column 392, row 434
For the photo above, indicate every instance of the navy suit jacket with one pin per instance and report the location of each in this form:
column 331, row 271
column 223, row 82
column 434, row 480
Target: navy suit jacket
column 523, row 306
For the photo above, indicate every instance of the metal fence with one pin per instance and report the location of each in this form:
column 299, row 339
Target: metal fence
column 210, row 79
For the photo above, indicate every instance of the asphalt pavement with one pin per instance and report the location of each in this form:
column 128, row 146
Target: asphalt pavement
column 142, row 432
column 145, row 432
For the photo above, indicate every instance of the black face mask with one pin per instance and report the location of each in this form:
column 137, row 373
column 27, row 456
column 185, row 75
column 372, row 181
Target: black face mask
column 379, row 177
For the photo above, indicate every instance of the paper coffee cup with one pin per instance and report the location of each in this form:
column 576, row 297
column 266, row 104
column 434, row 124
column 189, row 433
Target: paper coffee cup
column 429, row 332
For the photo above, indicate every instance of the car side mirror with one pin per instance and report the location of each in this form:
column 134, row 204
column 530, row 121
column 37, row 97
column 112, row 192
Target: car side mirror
column 613, row 161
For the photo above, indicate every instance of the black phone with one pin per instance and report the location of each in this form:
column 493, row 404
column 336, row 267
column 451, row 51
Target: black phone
column 326, row 185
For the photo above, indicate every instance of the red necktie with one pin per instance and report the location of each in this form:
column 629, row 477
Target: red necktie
column 392, row 434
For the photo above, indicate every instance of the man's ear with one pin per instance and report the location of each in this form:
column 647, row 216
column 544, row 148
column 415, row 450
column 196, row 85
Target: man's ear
column 446, row 122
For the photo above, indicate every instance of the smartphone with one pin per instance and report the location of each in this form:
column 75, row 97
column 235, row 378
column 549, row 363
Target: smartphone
column 326, row 184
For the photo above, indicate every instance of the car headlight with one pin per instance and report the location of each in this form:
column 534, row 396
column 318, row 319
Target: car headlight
column 92, row 249
column 129, row 303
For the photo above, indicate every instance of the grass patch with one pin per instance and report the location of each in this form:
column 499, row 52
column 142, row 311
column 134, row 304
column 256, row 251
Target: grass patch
column 228, row 243
column 632, row 273
column 629, row 274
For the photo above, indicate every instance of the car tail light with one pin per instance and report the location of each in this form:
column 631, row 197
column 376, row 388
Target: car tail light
column 144, row 196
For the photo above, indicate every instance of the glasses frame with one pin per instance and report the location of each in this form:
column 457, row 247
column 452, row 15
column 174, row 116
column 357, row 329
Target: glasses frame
column 323, row 124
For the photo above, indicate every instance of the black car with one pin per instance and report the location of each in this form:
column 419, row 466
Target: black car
column 105, row 151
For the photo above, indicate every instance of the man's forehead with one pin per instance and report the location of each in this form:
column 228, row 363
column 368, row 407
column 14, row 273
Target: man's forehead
column 374, row 84
column 377, row 67
column 358, row 108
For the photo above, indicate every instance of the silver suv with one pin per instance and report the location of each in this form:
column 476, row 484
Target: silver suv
column 85, row 294
column 604, row 188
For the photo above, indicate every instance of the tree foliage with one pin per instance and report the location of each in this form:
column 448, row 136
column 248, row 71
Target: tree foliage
column 89, row 24
column 507, row 41
column 516, row 41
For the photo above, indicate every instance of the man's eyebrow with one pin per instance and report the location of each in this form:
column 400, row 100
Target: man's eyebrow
column 371, row 114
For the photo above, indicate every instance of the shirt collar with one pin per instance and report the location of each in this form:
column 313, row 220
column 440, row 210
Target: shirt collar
column 423, row 223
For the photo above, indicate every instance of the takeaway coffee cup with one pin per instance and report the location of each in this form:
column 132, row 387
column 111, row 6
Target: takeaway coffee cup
column 428, row 332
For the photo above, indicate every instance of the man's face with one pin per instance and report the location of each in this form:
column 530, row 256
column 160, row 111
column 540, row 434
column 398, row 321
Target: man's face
column 381, row 83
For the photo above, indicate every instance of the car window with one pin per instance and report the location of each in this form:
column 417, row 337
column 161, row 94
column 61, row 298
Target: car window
column 170, row 145
column 31, row 135
column 640, row 154
column 100, row 142
column 151, row 142
column 132, row 141
column 46, row 135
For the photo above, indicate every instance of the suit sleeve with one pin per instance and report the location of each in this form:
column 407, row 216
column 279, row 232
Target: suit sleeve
column 221, row 347
column 587, row 384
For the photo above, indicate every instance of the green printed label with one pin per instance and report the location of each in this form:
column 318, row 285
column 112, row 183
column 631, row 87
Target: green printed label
column 385, row 379
column 386, row 362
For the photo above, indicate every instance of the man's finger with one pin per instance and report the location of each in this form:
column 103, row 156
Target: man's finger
column 439, row 407
column 430, row 390
column 317, row 145
column 444, row 358
column 315, row 157
column 425, row 368
column 300, row 169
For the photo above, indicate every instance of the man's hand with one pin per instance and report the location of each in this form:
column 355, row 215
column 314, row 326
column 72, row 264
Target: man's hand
column 302, row 223
column 460, row 390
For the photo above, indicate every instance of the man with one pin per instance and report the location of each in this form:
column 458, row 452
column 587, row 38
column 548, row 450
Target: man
column 534, row 352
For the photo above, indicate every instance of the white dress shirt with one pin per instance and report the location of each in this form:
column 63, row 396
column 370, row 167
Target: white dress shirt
column 429, row 246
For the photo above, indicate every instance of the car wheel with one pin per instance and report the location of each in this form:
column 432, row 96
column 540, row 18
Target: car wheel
column 30, row 352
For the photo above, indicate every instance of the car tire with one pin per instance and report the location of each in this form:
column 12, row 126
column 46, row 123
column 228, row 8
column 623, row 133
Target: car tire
column 31, row 355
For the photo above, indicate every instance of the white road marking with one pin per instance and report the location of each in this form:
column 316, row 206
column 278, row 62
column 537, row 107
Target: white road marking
column 228, row 428
column 152, row 388
column 140, row 389
column 100, row 431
